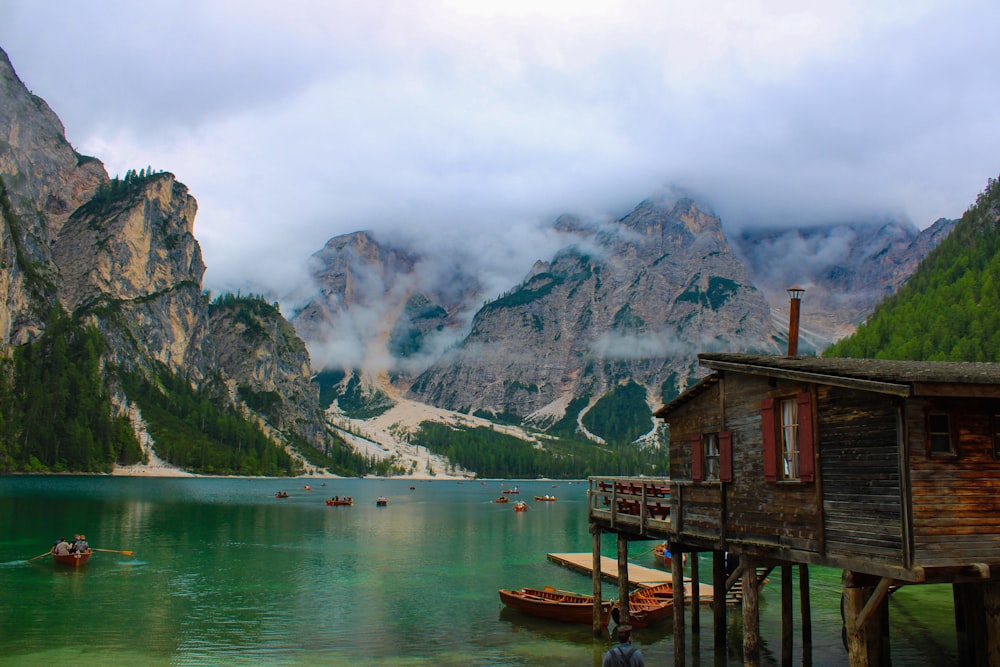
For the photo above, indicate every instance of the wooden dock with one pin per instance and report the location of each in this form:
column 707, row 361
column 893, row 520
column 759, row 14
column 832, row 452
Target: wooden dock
column 638, row 576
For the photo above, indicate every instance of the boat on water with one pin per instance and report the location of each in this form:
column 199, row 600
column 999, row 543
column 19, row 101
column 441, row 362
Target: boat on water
column 510, row 491
column 74, row 559
column 649, row 605
column 381, row 501
column 545, row 498
column 340, row 501
column 520, row 506
column 502, row 499
column 663, row 555
column 556, row 605
column 281, row 494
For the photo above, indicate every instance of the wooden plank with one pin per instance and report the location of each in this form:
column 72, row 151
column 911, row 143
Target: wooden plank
column 639, row 577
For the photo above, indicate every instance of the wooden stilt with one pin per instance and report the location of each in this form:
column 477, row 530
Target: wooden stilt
column 719, row 600
column 991, row 620
column 623, row 591
column 751, row 612
column 805, row 609
column 863, row 620
column 786, row 615
column 677, row 572
column 695, row 594
column 595, row 532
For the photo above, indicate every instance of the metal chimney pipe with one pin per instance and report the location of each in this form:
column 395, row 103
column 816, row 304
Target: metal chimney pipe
column 793, row 320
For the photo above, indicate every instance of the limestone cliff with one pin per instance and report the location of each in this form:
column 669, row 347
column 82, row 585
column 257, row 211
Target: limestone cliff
column 121, row 253
column 634, row 300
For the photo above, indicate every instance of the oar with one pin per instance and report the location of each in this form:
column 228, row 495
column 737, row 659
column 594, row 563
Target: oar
column 115, row 551
column 47, row 553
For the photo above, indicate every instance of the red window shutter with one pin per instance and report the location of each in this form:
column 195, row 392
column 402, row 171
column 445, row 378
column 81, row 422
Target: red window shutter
column 806, row 445
column 697, row 459
column 725, row 456
column 768, row 438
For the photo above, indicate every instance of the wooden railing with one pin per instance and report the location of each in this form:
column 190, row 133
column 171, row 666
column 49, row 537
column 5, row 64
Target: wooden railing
column 640, row 502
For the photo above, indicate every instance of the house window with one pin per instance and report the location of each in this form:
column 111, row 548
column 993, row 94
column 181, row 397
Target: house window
column 712, row 457
column 940, row 440
column 710, row 444
column 788, row 438
column 996, row 436
column 789, row 412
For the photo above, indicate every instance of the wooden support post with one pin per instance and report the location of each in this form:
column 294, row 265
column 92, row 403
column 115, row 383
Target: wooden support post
column 595, row 532
column 623, row 590
column 977, row 621
column 786, row 615
column 991, row 620
column 695, row 594
column 863, row 620
column 719, row 600
column 751, row 612
column 677, row 580
column 805, row 608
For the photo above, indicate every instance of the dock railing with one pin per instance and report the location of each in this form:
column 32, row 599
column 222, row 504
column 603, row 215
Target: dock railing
column 640, row 503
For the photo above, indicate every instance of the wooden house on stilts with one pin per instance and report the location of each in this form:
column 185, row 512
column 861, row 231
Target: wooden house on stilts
column 886, row 470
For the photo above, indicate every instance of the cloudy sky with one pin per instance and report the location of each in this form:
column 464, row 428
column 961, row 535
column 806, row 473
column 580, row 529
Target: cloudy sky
column 296, row 121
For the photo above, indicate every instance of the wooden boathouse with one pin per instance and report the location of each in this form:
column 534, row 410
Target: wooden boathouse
column 886, row 470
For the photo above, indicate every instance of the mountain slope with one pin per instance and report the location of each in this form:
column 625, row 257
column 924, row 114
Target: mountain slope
column 949, row 310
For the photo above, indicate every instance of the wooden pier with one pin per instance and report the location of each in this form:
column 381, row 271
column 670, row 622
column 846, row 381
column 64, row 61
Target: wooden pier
column 638, row 576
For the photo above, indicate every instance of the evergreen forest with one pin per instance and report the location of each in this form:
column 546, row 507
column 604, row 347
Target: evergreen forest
column 949, row 309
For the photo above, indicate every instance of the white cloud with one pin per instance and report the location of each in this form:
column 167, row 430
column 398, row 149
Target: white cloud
column 295, row 122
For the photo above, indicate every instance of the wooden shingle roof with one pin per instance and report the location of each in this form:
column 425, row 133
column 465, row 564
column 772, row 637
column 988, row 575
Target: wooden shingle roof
column 883, row 376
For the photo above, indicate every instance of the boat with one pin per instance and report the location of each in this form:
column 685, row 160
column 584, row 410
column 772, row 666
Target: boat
column 307, row 487
column 340, row 501
column 649, row 605
column 557, row 605
column 74, row 559
column 545, row 498
column 520, row 506
column 381, row 501
column 664, row 557
column 502, row 499
column 510, row 491
column 281, row 494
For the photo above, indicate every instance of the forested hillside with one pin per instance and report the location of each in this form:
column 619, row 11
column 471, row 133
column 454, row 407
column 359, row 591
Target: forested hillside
column 949, row 310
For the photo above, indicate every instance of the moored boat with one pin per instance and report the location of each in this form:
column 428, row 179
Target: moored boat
column 556, row 605
column 74, row 559
column 649, row 605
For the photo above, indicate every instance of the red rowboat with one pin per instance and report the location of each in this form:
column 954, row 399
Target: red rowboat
column 649, row 605
column 341, row 501
column 556, row 605
column 73, row 560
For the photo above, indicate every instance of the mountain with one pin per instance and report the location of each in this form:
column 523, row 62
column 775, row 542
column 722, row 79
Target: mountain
column 615, row 317
column 949, row 309
column 106, row 275
column 846, row 269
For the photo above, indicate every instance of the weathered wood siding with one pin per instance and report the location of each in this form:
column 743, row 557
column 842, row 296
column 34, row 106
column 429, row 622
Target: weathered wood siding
column 956, row 501
column 859, row 465
column 779, row 514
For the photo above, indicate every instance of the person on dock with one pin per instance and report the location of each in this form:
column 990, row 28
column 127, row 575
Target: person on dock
column 624, row 655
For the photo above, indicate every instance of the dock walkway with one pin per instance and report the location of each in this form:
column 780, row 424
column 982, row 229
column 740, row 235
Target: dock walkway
column 638, row 576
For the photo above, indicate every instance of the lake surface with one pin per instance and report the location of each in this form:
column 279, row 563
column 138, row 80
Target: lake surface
column 223, row 573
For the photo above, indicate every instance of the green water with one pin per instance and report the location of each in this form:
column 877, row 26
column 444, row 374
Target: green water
column 225, row 574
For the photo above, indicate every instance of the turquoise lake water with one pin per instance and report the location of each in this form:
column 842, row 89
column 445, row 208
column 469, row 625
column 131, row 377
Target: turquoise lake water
column 223, row 573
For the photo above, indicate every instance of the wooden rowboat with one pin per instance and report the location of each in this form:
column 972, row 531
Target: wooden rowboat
column 341, row 501
column 556, row 605
column 73, row 560
column 545, row 498
column 649, row 605
column 502, row 499
column 520, row 506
